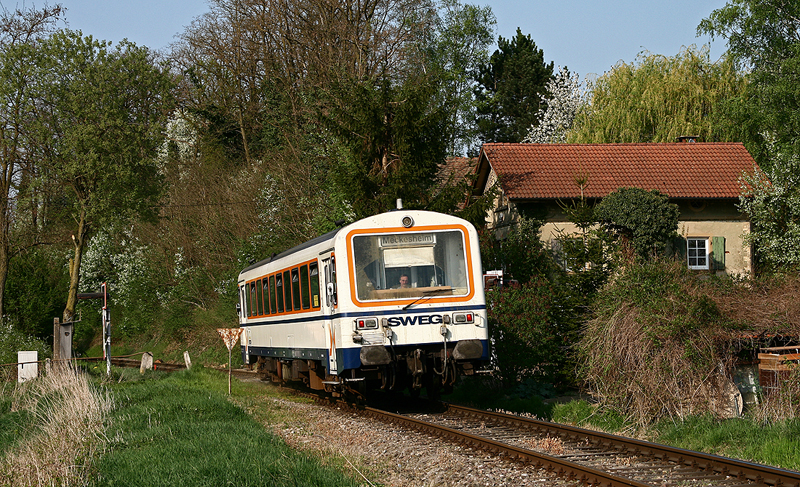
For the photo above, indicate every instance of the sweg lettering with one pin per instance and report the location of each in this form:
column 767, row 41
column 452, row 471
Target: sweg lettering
column 415, row 320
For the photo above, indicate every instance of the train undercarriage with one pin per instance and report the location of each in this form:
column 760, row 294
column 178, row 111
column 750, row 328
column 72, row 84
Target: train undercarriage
column 431, row 368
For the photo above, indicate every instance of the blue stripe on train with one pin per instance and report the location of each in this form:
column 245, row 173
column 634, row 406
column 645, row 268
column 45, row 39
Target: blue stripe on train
column 363, row 314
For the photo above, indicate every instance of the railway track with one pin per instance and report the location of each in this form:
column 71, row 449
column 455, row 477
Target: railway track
column 577, row 454
column 168, row 367
column 590, row 457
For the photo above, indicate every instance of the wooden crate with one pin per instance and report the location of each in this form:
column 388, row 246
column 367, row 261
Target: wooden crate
column 775, row 366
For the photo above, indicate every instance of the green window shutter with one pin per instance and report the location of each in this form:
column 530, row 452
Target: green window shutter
column 679, row 246
column 718, row 250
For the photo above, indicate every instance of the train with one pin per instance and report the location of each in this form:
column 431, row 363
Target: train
column 391, row 302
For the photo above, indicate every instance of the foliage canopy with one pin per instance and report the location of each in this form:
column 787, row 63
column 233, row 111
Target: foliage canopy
column 509, row 89
column 659, row 98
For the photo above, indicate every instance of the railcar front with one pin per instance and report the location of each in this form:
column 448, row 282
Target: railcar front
column 395, row 300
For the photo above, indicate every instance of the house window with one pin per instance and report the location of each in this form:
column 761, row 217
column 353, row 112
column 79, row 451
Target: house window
column 697, row 253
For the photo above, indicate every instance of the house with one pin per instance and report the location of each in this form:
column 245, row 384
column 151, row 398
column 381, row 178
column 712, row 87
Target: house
column 703, row 179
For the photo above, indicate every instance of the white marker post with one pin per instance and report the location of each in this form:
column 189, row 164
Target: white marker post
column 230, row 336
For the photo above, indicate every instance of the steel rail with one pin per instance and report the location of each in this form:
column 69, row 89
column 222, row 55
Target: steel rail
column 753, row 472
column 563, row 468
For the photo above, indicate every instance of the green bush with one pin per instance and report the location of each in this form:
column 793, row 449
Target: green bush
column 13, row 341
column 528, row 332
column 36, row 291
column 655, row 347
column 639, row 220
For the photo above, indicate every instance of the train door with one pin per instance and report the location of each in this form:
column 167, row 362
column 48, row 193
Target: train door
column 329, row 306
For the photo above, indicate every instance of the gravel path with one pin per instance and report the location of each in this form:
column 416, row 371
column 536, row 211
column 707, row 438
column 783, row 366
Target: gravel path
column 386, row 455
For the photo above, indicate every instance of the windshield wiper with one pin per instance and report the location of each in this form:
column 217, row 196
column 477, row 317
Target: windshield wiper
column 425, row 295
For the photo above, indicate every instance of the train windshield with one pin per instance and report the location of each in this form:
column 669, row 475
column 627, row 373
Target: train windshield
column 407, row 265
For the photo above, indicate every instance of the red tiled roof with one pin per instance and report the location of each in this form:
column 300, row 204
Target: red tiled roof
column 456, row 167
column 680, row 170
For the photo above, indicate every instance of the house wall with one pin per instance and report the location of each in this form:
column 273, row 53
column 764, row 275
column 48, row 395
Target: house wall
column 698, row 219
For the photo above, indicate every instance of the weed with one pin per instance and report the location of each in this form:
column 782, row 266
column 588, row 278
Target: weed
column 63, row 419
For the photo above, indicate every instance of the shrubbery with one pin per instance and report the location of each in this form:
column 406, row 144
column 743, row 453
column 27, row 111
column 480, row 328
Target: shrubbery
column 656, row 346
column 526, row 330
column 533, row 320
column 641, row 221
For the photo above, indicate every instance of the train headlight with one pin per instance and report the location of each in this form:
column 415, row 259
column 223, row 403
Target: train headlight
column 464, row 318
column 407, row 221
column 366, row 324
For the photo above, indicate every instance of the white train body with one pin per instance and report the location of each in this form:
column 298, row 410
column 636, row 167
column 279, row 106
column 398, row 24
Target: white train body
column 332, row 313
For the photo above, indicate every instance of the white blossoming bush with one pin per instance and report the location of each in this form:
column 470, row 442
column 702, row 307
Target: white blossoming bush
column 566, row 99
column 180, row 140
column 125, row 268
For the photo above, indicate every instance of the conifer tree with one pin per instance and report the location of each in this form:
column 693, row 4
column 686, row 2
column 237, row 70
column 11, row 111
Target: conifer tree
column 509, row 89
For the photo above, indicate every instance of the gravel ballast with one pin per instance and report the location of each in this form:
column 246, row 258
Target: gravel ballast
column 384, row 454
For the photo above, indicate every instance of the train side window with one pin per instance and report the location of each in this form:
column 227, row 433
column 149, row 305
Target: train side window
column 279, row 291
column 266, row 296
column 259, row 298
column 296, row 289
column 314, row 270
column 246, row 296
column 287, row 290
column 272, row 304
column 333, row 280
column 304, row 287
column 252, row 299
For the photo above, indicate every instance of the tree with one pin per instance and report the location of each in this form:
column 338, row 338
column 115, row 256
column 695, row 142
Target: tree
column 459, row 46
column 253, row 63
column 510, row 88
column 565, row 101
column 99, row 121
column 764, row 38
column 659, row 98
column 641, row 222
column 392, row 138
column 20, row 32
column 773, row 205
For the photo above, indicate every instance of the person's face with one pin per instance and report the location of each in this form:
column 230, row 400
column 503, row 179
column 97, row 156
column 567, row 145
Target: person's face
column 403, row 281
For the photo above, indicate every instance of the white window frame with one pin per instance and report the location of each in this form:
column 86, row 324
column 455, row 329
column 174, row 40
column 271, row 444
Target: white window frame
column 706, row 257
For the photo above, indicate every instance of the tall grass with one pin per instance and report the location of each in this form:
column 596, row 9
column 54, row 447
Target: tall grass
column 60, row 419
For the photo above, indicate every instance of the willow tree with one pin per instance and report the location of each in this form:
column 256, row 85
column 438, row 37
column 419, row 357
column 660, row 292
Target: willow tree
column 659, row 98
column 99, row 121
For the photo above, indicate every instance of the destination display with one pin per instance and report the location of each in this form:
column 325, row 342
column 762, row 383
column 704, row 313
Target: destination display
column 407, row 240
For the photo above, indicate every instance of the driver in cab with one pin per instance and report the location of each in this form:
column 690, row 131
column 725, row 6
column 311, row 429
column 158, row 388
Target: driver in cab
column 405, row 282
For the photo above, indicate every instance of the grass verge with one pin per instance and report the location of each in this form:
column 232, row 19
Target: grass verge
column 745, row 438
column 180, row 429
column 52, row 430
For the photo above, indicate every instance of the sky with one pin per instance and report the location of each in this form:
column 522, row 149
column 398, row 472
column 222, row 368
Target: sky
column 587, row 36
